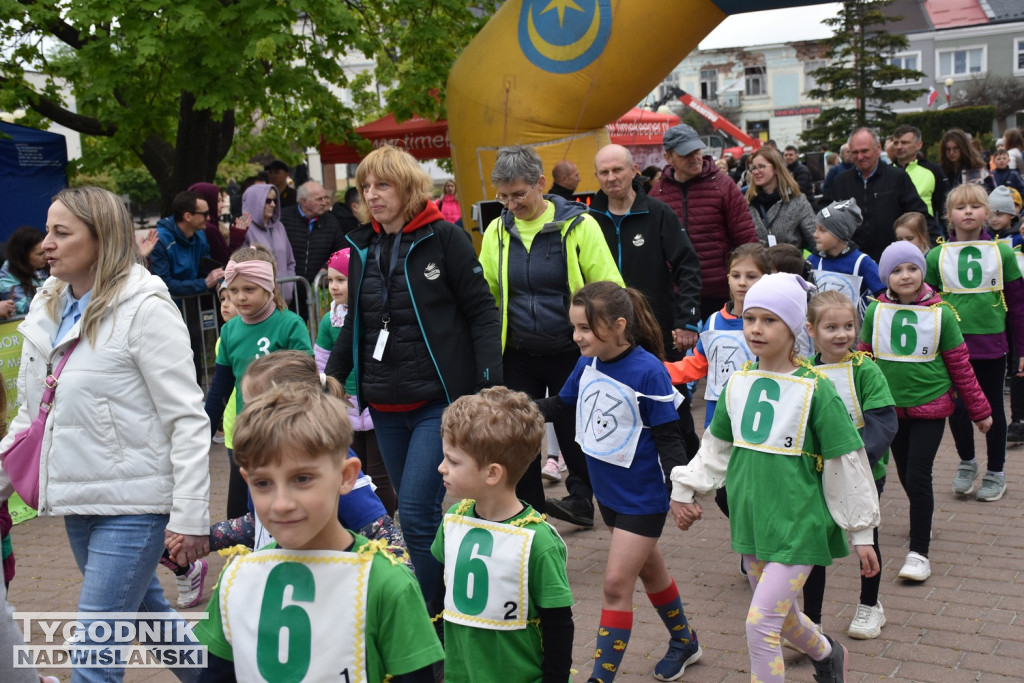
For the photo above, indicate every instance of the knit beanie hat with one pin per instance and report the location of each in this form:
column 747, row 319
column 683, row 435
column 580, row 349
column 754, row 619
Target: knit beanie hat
column 1001, row 201
column 900, row 251
column 339, row 260
column 840, row 218
column 785, row 295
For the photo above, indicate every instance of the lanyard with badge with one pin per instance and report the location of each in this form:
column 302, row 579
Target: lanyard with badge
column 385, row 316
column 608, row 422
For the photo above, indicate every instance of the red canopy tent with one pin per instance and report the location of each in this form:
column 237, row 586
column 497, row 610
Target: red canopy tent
column 422, row 138
column 641, row 127
column 429, row 139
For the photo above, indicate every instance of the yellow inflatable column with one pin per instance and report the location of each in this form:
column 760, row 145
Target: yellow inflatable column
column 552, row 73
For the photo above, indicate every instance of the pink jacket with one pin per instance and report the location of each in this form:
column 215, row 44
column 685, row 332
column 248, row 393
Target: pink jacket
column 958, row 364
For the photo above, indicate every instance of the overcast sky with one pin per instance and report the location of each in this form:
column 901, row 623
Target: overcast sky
column 772, row 26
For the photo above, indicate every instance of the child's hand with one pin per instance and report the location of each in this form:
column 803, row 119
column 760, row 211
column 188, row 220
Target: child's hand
column 984, row 425
column 868, row 560
column 685, row 514
column 173, row 543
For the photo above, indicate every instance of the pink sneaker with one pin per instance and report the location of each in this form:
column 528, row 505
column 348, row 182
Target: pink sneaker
column 551, row 470
column 561, row 463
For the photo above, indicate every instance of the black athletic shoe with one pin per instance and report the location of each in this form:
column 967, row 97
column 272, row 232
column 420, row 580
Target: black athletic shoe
column 832, row 669
column 573, row 509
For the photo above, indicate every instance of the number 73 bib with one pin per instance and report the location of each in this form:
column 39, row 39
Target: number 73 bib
column 280, row 612
column 487, row 584
column 769, row 411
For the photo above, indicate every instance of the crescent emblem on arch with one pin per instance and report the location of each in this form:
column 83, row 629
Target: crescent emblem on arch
column 564, row 36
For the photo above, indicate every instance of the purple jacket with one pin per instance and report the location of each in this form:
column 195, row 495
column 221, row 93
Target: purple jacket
column 271, row 235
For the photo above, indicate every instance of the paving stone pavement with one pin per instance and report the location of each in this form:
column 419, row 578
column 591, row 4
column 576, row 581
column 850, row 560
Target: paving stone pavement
column 965, row 623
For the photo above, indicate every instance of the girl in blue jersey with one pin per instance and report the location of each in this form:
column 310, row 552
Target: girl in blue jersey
column 626, row 424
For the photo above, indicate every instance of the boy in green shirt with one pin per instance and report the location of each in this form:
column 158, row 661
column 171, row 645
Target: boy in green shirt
column 320, row 602
column 507, row 604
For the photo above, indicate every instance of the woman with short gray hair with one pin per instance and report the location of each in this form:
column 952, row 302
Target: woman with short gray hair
column 535, row 255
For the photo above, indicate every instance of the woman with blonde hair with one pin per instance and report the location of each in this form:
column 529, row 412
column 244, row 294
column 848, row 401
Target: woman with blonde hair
column 125, row 453
column 782, row 215
column 421, row 330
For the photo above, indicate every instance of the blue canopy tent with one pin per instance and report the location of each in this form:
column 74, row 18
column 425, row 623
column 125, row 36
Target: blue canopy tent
column 32, row 169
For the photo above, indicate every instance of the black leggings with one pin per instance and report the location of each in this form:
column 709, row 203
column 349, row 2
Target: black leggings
column 814, row 589
column 537, row 376
column 991, row 373
column 913, row 450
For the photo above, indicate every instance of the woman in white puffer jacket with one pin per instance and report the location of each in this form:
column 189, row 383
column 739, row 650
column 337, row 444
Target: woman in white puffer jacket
column 126, row 447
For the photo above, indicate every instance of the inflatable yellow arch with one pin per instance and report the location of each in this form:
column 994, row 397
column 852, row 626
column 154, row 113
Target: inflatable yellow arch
column 552, row 73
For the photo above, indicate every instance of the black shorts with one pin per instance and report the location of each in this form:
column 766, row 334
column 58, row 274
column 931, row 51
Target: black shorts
column 650, row 526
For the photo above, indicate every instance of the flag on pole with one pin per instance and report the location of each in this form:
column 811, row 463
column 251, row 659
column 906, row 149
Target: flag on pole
column 946, row 87
column 933, row 95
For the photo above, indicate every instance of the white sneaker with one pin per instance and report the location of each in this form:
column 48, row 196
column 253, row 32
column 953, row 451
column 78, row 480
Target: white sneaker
column 916, row 567
column 190, row 584
column 867, row 622
column 550, row 470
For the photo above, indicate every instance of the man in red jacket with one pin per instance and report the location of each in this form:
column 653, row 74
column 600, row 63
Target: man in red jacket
column 710, row 207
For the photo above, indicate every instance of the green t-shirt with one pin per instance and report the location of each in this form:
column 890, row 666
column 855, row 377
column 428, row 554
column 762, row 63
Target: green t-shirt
column 970, row 283
column 242, row 343
column 326, row 335
column 777, row 508
column 483, row 655
column 914, row 384
column 872, row 393
column 399, row 636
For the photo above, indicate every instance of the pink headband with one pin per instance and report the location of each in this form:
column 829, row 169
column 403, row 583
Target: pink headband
column 260, row 273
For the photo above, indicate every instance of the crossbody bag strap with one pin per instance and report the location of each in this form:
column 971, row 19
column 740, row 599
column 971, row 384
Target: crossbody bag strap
column 51, row 379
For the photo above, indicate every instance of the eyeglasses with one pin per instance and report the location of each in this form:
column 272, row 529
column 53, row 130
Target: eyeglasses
column 759, row 168
column 270, row 200
column 205, row 214
column 516, row 198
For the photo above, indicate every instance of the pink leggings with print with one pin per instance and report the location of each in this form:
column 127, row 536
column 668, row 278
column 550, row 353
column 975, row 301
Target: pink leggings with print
column 775, row 614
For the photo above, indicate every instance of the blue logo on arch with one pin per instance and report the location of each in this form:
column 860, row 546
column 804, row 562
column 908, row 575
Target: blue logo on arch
column 563, row 36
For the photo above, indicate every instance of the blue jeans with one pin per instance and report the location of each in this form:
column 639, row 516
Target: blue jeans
column 410, row 443
column 118, row 556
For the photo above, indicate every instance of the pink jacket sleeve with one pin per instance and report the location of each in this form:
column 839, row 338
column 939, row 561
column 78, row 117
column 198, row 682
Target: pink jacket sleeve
column 960, row 371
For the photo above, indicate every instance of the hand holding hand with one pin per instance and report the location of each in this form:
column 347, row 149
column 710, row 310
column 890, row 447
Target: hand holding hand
column 684, row 339
column 685, row 514
column 191, row 549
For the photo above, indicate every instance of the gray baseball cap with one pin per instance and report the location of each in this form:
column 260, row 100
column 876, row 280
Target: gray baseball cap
column 682, row 139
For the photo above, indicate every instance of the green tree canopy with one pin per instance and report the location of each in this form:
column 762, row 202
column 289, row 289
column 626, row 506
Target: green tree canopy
column 860, row 71
column 179, row 85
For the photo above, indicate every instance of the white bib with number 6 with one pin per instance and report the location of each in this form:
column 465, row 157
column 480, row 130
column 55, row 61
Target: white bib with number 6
column 970, row 267
column 280, row 613
column 487, row 584
column 841, row 375
column 769, row 411
column 906, row 334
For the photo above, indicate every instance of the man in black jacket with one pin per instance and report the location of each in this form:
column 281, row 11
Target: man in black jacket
column 801, row 174
column 883, row 193
column 650, row 247
column 314, row 234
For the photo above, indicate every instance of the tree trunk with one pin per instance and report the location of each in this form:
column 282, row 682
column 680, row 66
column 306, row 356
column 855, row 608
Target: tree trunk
column 202, row 142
